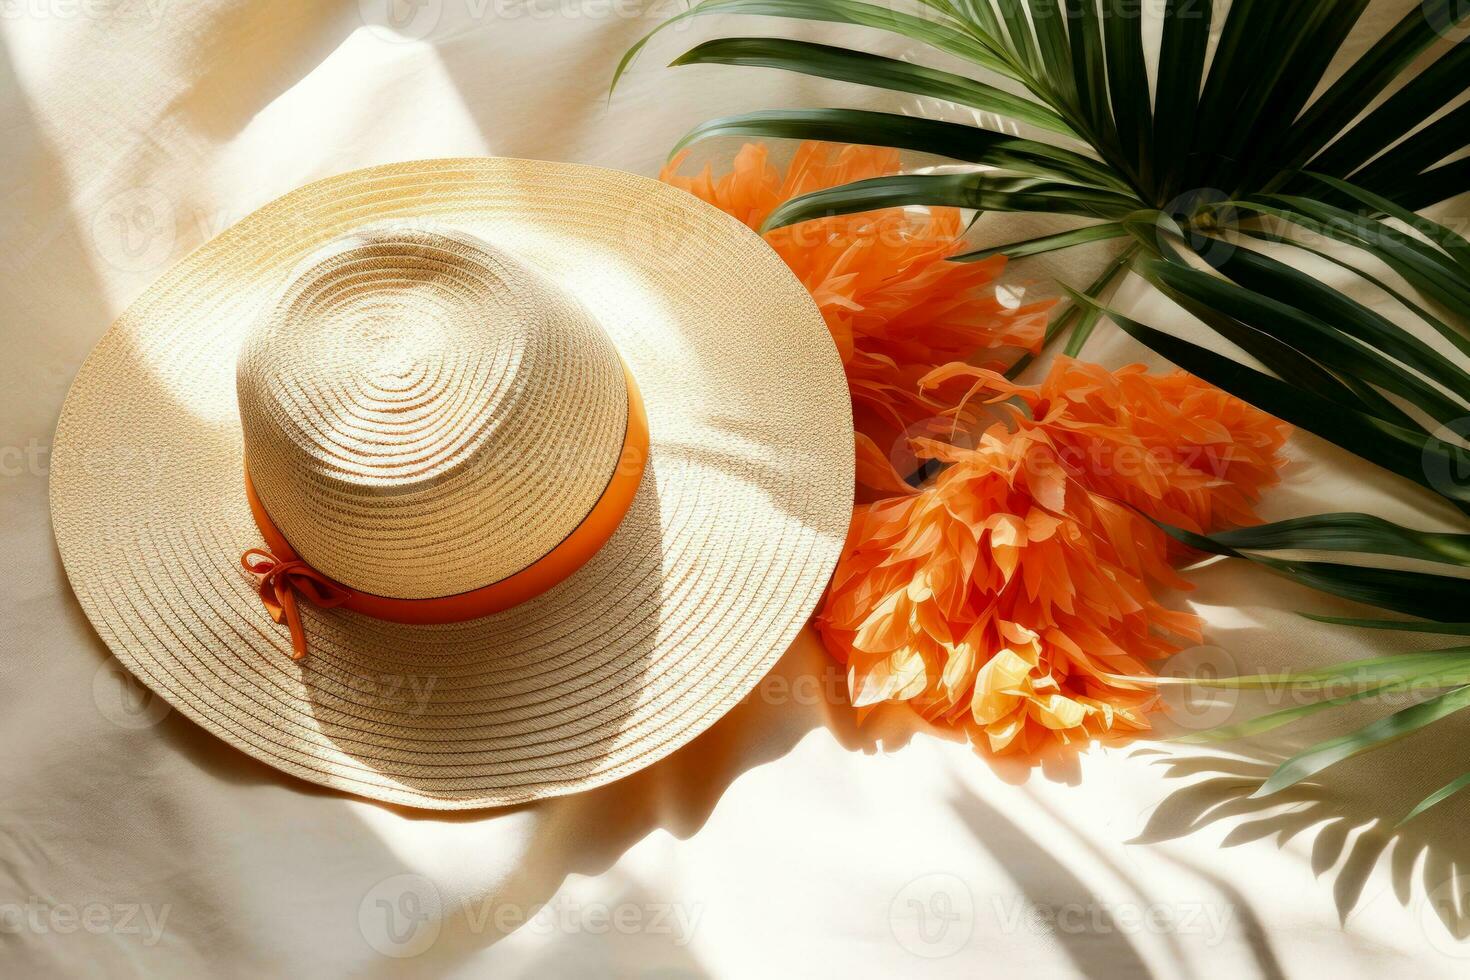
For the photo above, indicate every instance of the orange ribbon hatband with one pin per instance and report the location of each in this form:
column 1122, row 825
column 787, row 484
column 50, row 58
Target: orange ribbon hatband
column 285, row 577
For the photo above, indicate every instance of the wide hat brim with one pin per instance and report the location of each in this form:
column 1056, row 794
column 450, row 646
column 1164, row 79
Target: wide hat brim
column 725, row 551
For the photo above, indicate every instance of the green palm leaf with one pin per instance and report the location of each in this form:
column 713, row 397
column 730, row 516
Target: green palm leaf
column 1366, row 79
column 1351, row 532
column 1186, row 38
column 1433, row 186
column 1308, row 763
column 939, row 35
column 825, row 61
column 1277, row 719
column 1049, row 243
column 1327, row 310
column 1404, row 451
column 980, row 191
column 1438, row 796
column 1408, row 107
column 1449, row 667
column 953, row 140
column 1398, row 625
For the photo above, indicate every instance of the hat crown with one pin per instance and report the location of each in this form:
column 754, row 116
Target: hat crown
column 425, row 415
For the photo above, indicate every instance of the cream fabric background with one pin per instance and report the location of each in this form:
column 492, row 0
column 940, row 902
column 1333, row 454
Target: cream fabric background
column 786, row 840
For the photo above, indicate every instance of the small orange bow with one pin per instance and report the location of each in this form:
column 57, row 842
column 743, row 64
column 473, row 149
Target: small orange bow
column 280, row 581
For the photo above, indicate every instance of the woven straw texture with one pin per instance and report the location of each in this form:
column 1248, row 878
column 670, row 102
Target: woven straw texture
column 732, row 536
column 424, row 416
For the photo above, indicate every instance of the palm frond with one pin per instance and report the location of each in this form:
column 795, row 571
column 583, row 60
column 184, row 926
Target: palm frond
column 936, row 137
column 1313, row 760
column 863, row 68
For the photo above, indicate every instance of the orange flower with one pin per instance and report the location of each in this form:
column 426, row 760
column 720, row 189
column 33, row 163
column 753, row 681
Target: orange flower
column 1013, row 596
column 1006, row 598
column 895, row 306
column 1177, row 448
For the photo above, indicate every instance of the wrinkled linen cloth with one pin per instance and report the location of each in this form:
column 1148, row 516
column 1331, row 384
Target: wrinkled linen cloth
column 787, row 841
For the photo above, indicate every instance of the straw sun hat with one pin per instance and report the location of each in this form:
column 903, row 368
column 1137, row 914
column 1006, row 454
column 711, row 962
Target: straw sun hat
column 459, row 483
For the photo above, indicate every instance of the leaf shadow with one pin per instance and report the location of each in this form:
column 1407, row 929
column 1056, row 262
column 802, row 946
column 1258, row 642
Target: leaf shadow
column 1344, row 821
column 1347, row 822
